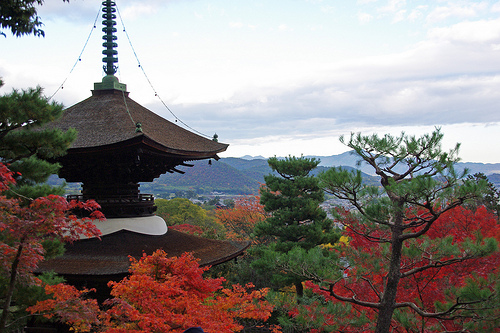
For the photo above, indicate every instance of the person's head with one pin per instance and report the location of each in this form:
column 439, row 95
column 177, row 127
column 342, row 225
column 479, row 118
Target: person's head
column 194, row 330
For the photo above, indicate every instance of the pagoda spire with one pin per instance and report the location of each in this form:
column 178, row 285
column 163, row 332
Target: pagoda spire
column 109, row 37
column 110, row 81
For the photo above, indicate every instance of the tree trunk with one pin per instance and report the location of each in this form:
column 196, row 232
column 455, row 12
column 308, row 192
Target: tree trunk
column 388, row 301
column 10, row 291
column 299, row 289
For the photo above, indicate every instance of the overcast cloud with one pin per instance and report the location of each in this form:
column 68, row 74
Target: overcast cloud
column 286, row 77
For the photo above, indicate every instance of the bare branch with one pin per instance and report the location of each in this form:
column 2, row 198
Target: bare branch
column 443, row 314
column 352, row 299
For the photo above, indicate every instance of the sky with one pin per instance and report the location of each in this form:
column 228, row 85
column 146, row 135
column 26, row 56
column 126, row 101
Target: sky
column 283, row 77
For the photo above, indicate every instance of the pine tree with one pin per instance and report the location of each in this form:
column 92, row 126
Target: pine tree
column 418, row 184
column 296, row 222
column 25, row 147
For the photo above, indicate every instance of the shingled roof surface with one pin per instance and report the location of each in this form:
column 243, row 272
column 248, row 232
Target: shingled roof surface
column 110, row 117
column 110, row 254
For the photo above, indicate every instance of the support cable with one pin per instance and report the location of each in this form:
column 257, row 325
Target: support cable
column 151, row 84
column 80, row 56
column 126, row 107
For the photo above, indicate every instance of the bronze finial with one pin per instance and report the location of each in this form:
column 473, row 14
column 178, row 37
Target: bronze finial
column 109, row 28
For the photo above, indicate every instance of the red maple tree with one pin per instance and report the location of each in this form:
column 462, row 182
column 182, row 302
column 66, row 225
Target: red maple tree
column 25, row 224
column 164, row 294
column 447, row 284
column 241, row 220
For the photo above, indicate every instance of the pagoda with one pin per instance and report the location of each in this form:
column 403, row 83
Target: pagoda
column 120, row 144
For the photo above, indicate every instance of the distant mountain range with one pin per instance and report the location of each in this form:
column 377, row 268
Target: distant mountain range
column 245, row 175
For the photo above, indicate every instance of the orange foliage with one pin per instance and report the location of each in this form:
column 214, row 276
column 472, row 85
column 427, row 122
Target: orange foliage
column 188, row 229
column 69, row 304
column 25, row 224
column 366, row 278
column 169, row 295
column 240, row 220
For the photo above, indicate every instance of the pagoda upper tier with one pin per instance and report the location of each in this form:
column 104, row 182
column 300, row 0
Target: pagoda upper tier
column 109, row 120
column 120, row 144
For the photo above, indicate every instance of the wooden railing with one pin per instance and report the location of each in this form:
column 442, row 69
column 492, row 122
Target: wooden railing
column 114, row 198
column 120, row 205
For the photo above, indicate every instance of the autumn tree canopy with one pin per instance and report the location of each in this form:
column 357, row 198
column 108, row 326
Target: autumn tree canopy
column 183, row 215
column 25, row 229
column 33, row 220
column 240, row 220
column 163, row 294
column 399, row 235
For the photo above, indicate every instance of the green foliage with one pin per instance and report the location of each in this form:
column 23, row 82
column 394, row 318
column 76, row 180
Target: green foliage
column 52, row 248
column 27, row 295
column 484, row 293
column 20, row 16
column 414, row 172
column 491, row 198
column 25, row 146
column 418, row 184
column 180, row 211
column 242, row 271
column 297, row 224
column 293, row 199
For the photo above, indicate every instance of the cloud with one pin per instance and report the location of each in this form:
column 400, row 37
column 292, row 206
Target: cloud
column 77, row 12
column 495, row 8
column 443, row 80
column 364, row 18
column 236, row 24
column 482, row 31
column 393, row 6
column 284, row 27
column 135, row 11
column 259, row 90
column 81, row 12
column 417, row 13
column 456, row 10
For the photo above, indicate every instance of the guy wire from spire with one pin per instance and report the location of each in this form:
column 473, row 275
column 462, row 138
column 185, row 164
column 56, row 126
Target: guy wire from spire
column 80, row 56
column 150, row 84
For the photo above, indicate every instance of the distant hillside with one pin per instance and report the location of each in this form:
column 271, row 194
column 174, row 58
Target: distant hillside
column 244, row 176
column 255, row 169
column 228, row 175
column 495, row 179
column 204, row 178
column 350, row 159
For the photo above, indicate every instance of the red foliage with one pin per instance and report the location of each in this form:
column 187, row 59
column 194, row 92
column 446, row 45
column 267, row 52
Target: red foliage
column 5, row 178
column 188, row 229
column 240, row 220
column 170, row 295
column 24, row 226
column 164, row 295
column 70, row 306
column 364, row 279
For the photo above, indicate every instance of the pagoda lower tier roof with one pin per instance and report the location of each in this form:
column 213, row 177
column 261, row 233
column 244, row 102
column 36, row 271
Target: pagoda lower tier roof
column 109, row 255
column 110, row 117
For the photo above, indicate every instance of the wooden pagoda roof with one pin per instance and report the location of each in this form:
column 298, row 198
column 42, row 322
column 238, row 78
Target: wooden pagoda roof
column 109, row 117
column 109, row 256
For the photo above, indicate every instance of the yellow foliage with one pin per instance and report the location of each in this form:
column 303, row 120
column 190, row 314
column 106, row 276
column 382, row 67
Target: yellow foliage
column 342, row 240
